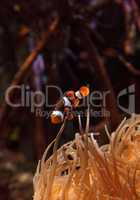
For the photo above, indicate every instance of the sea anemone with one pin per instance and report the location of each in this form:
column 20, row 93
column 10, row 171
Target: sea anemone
column 82, row 170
